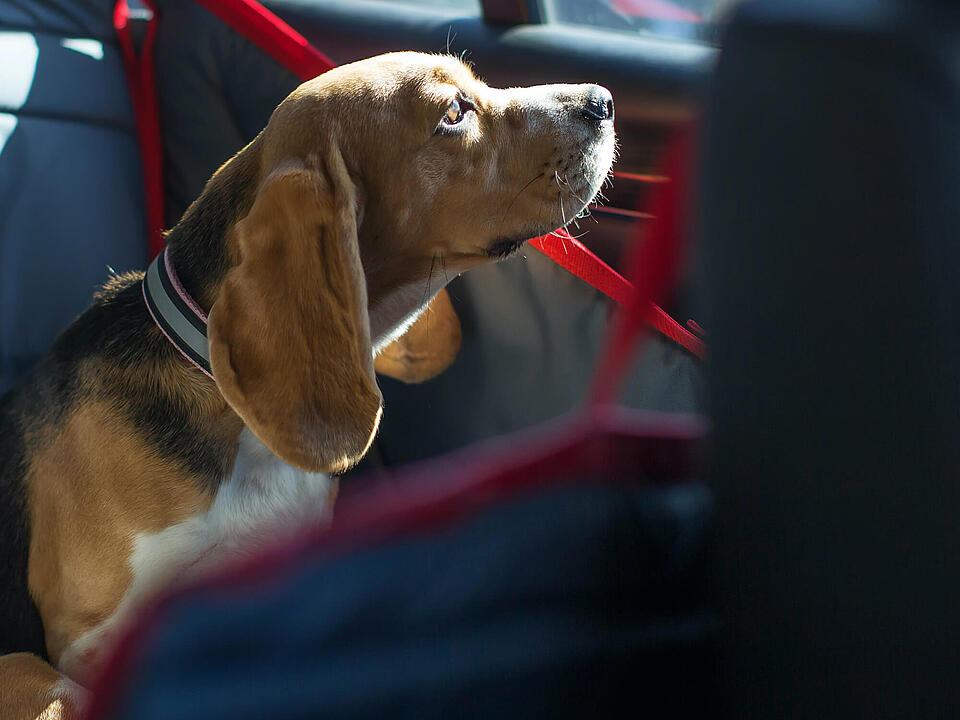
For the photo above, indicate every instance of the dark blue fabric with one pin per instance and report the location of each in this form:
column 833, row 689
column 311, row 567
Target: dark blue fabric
column 70, row 178
column 577, row 602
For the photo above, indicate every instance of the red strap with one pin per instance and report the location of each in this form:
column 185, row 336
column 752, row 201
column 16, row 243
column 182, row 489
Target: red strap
column 144, row 99
column 272, row 35
column 653, row 266
column 573, row 256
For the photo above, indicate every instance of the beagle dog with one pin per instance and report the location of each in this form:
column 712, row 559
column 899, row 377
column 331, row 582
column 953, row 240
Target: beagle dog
column 195, row 412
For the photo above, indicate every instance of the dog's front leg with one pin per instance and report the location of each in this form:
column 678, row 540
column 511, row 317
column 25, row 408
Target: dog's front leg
column 30, row 689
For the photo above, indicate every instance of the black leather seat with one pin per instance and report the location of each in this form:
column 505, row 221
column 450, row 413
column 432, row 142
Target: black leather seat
column 71, row 189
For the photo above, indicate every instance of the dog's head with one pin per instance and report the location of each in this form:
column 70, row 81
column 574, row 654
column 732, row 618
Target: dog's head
column 376, row 183
column 445, row 165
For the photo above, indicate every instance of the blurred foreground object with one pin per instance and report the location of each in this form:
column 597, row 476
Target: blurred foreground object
column 830, row 227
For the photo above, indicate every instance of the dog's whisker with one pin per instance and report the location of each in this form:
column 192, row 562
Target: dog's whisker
column 443, row 267
column 556, row 176
column 568, row 236
column 426, row 290
column 570, row 190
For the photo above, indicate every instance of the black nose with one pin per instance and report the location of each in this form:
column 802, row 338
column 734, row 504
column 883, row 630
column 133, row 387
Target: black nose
column 598, row 105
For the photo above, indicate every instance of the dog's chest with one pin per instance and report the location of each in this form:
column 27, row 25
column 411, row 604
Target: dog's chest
column 263, row 501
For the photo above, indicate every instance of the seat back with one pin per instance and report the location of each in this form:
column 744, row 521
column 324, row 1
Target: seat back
column 71, row 188
column 830, row 230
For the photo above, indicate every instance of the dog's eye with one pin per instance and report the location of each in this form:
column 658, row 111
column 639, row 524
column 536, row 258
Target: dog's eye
column 457, row 111
column 454, row 113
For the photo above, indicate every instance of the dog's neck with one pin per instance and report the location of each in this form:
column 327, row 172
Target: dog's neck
column 397, row 291
column 199, row 245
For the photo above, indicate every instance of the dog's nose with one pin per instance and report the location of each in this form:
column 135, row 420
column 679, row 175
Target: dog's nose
column 598, row 105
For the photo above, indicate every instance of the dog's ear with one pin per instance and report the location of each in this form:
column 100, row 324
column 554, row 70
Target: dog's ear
column 427, row 348
column 289, row 331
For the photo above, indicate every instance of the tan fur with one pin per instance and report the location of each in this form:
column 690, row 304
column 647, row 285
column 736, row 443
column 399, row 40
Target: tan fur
column 329, row 232
column 39, row 693
column 78, row 566
column 428, row 348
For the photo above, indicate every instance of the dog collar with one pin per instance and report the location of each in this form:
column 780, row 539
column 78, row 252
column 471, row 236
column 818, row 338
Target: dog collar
column 176, row 313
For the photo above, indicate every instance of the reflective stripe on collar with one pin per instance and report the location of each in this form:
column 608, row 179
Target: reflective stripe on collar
column 176, row 314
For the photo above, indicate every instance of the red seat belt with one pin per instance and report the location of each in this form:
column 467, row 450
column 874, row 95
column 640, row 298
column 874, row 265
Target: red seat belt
column 143, row 96
column 272, row 35
column 574, row 257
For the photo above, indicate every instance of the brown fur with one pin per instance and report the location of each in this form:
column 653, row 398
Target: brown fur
column 37, row 692
column 289, row 334
column 306, row 249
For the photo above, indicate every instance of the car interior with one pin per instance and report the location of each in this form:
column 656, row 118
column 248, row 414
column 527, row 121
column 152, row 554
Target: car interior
column 802, row 568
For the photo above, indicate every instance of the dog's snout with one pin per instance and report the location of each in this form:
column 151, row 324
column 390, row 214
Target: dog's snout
column 598, row 104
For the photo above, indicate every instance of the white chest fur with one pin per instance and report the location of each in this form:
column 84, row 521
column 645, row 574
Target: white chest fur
column 264, row 500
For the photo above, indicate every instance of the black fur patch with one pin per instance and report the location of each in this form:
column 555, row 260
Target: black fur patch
column 196, row 245
column 20, row 627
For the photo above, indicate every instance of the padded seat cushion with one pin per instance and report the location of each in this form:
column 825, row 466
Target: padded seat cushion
column 70, row 176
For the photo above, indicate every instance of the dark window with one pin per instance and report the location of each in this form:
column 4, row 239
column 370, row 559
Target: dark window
column 468, row 7
column 680, row 19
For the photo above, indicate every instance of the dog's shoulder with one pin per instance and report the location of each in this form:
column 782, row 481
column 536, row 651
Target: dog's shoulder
column 114, row 355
